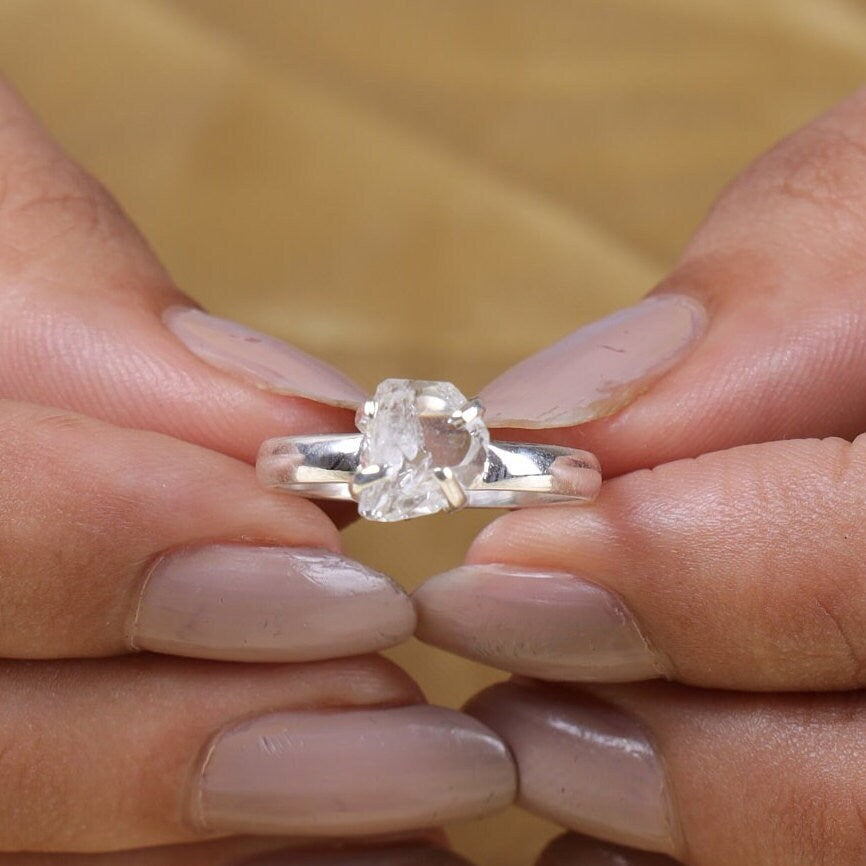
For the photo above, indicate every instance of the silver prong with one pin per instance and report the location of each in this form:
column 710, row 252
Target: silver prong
column 470, row 410
column 364, row 477
column 369, row 408
column 451, row 487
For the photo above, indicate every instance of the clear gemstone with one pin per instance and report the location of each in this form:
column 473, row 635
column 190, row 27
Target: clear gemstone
column 411, row 428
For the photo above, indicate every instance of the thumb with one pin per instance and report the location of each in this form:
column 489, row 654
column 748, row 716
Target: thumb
column 91, row 322
column 758, row 334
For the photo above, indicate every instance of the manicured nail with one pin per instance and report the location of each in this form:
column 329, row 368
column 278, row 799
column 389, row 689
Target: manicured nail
column 582, row 763
column 572, row 850
column 265, row 361
column 409, row 854
column 598, row 369
column 353, row 772
column 543, row 624
column 250, row 603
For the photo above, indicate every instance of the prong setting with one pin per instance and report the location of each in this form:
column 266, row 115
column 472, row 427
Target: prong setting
column 452, row 489
column 470, row 411
column 365, row 476
column 413, row 427
column 426, row 449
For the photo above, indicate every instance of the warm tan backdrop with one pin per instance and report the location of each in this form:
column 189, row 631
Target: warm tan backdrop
column 426, row 187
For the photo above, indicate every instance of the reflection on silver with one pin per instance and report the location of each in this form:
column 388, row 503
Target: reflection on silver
column 515, row 473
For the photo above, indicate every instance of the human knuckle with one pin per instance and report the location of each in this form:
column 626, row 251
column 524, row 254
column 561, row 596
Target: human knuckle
column 837, row 587
column 58, row 445
column 817, row 829
column 48, row 443
column 42, row 200
column 839, row 829
column 825, row 167
column 818, row 821
column 30, row 788
column 843, row 643
column 816, row 556
column 57, row 421
column 13, row 771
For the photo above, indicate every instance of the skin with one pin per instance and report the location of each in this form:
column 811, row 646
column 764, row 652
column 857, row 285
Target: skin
column 426, row 850
column 112, row 746
column 78, row 278
column 753, row 551
column 744, row 566
column 119, row 444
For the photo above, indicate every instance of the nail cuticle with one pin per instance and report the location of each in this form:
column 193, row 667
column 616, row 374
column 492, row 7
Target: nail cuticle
column 132, row 620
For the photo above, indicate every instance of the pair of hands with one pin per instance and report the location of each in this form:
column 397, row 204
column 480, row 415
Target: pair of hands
column 133, row 521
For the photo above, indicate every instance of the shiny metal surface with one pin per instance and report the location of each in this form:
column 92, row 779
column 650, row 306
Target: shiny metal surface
column 516, row 474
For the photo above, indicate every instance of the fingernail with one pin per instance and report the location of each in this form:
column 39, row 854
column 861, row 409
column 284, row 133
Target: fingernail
column 392, row 855
column 254, row 603
column 598, row 369
column 544, row 624
column 265, row 361
column 572, row 850
column 582, row 763
column 353, row 772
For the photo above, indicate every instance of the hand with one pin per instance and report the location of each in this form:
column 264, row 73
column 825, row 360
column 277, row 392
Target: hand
column 250, row 851
column 131, row 521
column 736, row 575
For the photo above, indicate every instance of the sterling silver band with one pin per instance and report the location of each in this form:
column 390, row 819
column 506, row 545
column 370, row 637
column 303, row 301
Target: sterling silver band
column 516, row 474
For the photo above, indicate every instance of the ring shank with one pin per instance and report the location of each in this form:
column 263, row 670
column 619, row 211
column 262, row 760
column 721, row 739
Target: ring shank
column 516, row 474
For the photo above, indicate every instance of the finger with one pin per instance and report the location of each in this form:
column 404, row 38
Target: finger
column 118, row 539
column 254, row 852
column 741, row 569
column 397, row 856
column 404, row 854
column 90, row 321
column 711, row 778
column 758, row 334
column 569, row 849
column 145, row 750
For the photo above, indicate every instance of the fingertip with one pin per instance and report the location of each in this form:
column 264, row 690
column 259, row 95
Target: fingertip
column 260, row 359
column 265, row 603
column 310, row 772
column 600, row 368
column 536, row 622
column 564, row 741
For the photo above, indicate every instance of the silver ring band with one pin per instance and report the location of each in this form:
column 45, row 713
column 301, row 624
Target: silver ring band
column 515, row 473
column 424, row 448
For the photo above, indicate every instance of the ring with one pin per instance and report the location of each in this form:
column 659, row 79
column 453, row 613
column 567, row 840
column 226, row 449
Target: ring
column 424, row 448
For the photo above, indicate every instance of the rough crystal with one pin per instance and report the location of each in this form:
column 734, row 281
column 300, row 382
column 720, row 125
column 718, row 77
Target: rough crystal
column 413, row 429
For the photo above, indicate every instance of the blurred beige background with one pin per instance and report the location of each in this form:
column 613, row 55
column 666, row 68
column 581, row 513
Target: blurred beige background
column 428, row 187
